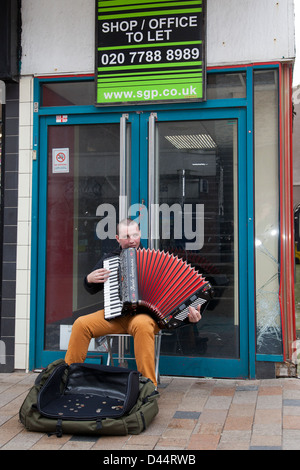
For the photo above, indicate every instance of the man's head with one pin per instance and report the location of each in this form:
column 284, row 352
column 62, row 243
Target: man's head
column 128, row 234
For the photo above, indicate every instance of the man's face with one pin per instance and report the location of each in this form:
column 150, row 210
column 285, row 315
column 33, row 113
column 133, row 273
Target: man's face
column 129, row 237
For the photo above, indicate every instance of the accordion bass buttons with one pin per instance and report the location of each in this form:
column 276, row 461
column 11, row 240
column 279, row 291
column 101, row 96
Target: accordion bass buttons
column 208, row 291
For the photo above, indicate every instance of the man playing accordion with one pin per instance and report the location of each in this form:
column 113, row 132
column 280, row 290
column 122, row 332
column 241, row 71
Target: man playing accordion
column 142, row 326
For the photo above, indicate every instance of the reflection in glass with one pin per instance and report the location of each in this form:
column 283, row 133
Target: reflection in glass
column 80, row 93
column 73, row 197
column 268, row 317
column 196, row 189
column 226, row 85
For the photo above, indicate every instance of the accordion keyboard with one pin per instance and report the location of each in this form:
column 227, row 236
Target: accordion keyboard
column 112, row 301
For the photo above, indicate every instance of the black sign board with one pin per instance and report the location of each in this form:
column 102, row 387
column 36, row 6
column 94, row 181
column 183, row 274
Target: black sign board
column 150, row 51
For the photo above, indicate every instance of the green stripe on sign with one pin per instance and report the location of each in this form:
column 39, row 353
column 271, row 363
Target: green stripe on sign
column 147, row 66
column 138, row 74
column 150, row 13
column 146, row 46
column 113, row 3
column 113, row 79
column 139, row 7
column 146, row 83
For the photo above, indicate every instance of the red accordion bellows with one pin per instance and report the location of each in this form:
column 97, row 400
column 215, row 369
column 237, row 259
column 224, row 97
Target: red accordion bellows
column 165, row 280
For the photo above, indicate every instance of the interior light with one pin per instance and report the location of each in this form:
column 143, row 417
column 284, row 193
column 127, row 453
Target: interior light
column 198, row 141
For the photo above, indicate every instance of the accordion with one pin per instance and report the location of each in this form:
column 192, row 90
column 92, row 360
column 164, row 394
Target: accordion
column 153, row 282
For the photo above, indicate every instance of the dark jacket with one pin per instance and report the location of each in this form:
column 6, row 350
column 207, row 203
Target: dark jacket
column 93, row 288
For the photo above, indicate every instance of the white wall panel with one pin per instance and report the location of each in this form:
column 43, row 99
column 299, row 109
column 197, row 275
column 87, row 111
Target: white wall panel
column 58, row 35
column 245, row 31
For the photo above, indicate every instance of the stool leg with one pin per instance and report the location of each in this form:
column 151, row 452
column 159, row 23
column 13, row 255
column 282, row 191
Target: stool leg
column 110, row 358
column 157, row 356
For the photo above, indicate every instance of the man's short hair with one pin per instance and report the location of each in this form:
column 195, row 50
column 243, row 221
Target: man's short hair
column 126, row 222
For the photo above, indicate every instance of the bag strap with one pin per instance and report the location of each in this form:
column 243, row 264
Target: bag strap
column 59, row 428
column 99, row 424
column 148, row 397
column 58, row 432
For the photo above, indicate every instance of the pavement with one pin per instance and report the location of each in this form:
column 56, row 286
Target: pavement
column 194, row 414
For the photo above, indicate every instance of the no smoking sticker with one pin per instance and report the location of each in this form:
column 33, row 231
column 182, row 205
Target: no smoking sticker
column 60, row 160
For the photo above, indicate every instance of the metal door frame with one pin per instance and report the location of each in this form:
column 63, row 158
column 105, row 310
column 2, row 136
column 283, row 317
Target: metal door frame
column 201, row 366
column 90, row 114
column 39, row 357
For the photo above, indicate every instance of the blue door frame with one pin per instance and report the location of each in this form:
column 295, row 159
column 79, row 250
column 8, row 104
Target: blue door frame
column 41, row 356
column 217, row 109
column 202, row 366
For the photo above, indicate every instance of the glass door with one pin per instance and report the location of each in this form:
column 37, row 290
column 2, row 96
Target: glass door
column 182, row 174
column 196, row 204
column 84, row 188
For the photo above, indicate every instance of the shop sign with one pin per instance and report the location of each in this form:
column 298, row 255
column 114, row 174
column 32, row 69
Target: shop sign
column 60, row 160
column 150, row 51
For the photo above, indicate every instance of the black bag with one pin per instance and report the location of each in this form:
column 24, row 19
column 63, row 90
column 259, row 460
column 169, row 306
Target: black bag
column 89, row 399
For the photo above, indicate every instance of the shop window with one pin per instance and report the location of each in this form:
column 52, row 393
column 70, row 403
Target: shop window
column 76, row 93
column 267, row 233
column 226, row 85
column 82, row 92
column 75, row 193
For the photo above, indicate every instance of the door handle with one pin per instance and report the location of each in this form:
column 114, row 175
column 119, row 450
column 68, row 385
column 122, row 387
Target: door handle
column 153, row 225
column 123, row 200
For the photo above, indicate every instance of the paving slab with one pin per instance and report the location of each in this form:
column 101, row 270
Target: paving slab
column 195, row 414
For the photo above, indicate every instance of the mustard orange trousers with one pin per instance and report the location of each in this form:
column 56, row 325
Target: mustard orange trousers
column 142, row 327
